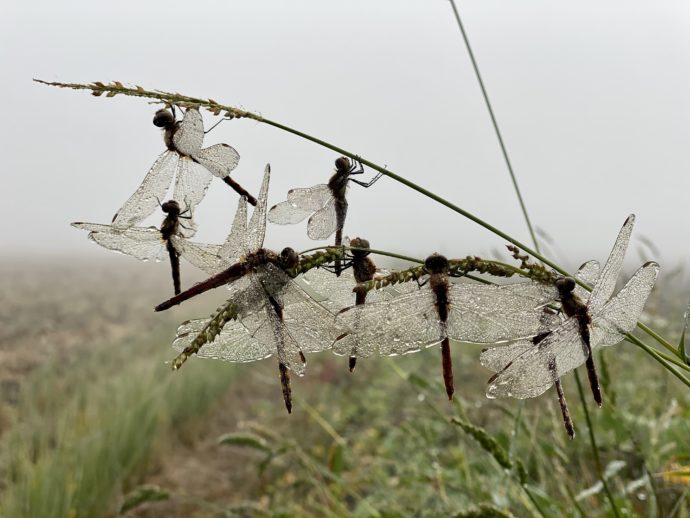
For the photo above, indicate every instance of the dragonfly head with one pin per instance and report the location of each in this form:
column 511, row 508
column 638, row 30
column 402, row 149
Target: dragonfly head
column 565, row 286
column 288, row 258
column 163, row 118
column 171, row 207
column 359, row 242
column 342, row 164
column 436, row 263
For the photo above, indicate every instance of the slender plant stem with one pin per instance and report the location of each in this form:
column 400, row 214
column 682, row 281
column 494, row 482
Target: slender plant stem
column 495, row 124
column 595, row 449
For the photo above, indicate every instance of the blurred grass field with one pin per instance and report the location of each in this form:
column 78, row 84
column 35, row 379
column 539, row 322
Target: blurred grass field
column 93, row 419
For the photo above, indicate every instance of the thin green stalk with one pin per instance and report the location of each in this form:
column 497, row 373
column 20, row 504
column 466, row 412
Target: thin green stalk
column 595, row 449
column 657, row 356
column 118, row 88
column 495, row 124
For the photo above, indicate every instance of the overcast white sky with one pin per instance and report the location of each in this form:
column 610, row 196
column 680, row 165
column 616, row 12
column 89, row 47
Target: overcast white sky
column 593, row 99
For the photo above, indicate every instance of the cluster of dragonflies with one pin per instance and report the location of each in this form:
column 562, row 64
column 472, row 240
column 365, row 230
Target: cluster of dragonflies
column 537, row 331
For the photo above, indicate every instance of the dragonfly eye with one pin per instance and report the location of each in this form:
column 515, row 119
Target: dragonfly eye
column 436, row 263
column 565, row 285
column 289, row 258
column 171, row 207
column 342, row 164
column 163, row 118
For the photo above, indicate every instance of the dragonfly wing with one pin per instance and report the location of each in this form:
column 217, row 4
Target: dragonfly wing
column 323, row 222
column 587, row 273
column 235, row 342
column 329, row 290
column 235, row 244
column 606, row 283
column 498, row 358
column 204, row 256
column 310, row 199
column 189, row 134
column 482, row 313
column 144, row 244
column 150, row 193
column 402, row 325
column 220, row 159
column 619, row 316
column 191, row 184
column 257, row 225
column 286, row 213
column 535, row 370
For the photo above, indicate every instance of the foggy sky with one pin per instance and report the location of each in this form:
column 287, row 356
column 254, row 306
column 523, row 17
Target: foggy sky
column 593, row 99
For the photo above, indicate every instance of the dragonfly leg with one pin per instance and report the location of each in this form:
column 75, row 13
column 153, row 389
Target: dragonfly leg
column 356, row 166
column 369, row 183
column 216, row 124
column 285, row 383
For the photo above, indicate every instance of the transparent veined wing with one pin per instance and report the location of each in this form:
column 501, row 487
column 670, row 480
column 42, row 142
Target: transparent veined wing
column 145, row 200
column 405, row 324
column 285, row 213
column 235, row 244
column 204, row 256
column 191, row 184
column 234, row 343
column 534, row 371
column 310, row 198
column 619, row 316
column 482, row 313
column 286, row 348
column 587, row 273
column 323, row 222
column 220, row 159
column 606, row 283
column 498, row 358
column 145, row 244
column 256, row 230
column 189, row 134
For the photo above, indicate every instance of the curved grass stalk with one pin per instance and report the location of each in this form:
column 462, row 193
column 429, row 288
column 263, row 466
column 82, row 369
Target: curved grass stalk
column 117, row 88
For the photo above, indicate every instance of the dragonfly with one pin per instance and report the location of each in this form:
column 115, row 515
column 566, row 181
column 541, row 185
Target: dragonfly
column 184, row 159
column 326, row 203
column 572, row 295
column 267, row 313
column 440, row 311
column 153, row 244
column 526, row 370
column 337, row 292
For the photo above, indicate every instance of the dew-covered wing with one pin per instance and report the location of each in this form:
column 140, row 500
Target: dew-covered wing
column 204, row 256
column 310, row 198
column 141, row 243
column 220, row 159
column 405, row 324
column 499, row 357
column 191, row 184
column 587, row 273
column 150, row 193
column 606, row 283
column 483, row 313
column 235, row 342
column 189, row 134
column 309, row 323
column 256, row 230
column 323, row 222
column 619, row 316
column 284, row 213
column 534, row 371
column 235, row 244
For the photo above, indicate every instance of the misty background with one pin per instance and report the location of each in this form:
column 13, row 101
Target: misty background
column 592, row 99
